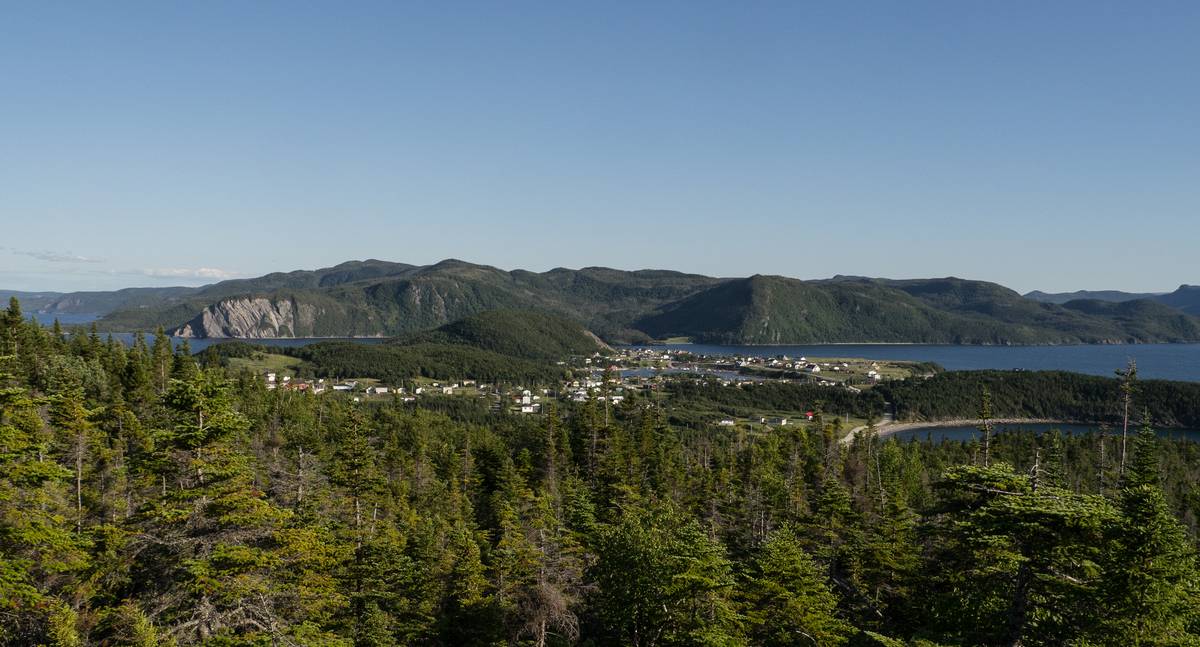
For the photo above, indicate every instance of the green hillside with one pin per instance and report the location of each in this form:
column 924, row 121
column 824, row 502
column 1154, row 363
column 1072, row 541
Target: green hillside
column 1186, row 298
column 778, row 310
column 525, row 334
column 503, row 345
column 394, row 363
column 376, row 298
column 507, row 346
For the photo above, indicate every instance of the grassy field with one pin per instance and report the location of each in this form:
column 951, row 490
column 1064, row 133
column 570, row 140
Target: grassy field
column 890, row 370
column 267, row 363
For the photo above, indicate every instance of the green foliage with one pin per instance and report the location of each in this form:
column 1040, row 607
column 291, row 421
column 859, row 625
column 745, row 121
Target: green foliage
column 1040, row 394
column 661, row 581
column 691, row 395
column 1150, row 586
column 778, row 310
column 517, row 333
column 494, row 346
column 393, row 364
column 144, row 501
column 788, row 598
column 372, row 298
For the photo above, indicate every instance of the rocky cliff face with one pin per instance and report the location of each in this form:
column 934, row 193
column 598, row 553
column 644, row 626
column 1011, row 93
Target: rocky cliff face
column 253, row 318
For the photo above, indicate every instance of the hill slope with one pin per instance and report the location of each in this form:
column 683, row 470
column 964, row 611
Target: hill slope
column 527, row 334
column 413, row 299
column 1186, row 299
column 1115, row 296
column 490, row 346
column 376, row 298
column 778, row 310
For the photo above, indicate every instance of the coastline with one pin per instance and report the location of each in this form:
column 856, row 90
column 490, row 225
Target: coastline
column 885, row 429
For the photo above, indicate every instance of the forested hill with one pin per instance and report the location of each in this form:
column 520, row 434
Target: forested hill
column 519, row 333
column 1185, row 299
column 494, row 346
column 376, row 298
column 779, row 310
column 1116, row 296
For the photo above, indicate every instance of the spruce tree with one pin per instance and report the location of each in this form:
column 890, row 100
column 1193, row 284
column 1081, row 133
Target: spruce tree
column 788, row 601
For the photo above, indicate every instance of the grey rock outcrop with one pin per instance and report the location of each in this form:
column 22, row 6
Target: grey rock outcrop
column 252, row 318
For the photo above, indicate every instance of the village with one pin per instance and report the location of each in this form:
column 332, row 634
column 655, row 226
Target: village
column 614, row 377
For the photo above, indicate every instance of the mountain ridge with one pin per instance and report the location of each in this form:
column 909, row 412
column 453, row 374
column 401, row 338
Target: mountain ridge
column 382, row 298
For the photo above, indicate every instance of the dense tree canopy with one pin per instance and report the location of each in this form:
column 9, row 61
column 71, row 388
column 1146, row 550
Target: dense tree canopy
column 145, row 500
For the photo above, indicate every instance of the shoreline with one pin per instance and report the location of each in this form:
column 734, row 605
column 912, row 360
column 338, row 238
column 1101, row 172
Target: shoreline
column 897, row 427
column 918, row 343
column 886, row 429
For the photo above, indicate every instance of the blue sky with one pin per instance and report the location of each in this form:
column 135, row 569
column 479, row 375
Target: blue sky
column 1052, row 147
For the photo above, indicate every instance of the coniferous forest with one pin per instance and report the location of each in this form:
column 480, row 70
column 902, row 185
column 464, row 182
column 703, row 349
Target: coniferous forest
column 146, row 499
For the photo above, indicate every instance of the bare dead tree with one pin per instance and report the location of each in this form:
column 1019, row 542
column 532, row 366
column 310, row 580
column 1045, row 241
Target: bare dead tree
column 985, row 424
column 1128, row 380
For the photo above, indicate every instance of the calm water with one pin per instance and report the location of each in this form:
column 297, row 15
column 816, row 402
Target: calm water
column 64, row 318
column 1156, row 361
column 967, row 433
column 198, row 345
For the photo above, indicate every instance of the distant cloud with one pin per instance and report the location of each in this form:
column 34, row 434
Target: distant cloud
column 57, row 257
column 186, row 273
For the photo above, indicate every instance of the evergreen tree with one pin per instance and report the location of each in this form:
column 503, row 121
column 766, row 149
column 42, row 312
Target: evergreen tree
column 40, row 549
column 788, row 601
column 207, row 565
column 1152, row 585
column 659, row 580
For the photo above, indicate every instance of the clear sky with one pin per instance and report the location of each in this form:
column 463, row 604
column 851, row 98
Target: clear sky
column 1039, row 145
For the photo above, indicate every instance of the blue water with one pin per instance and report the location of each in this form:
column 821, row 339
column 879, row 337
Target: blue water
column 198, row 345
column 1155, row 361
column 966, row 433
column 64, row 318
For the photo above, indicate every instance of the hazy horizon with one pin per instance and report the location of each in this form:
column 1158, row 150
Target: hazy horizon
column 199, row 282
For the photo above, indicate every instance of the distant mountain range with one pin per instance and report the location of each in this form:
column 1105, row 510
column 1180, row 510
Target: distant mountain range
column 1186, row 298
column 378, row 298
column 1115, row 296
